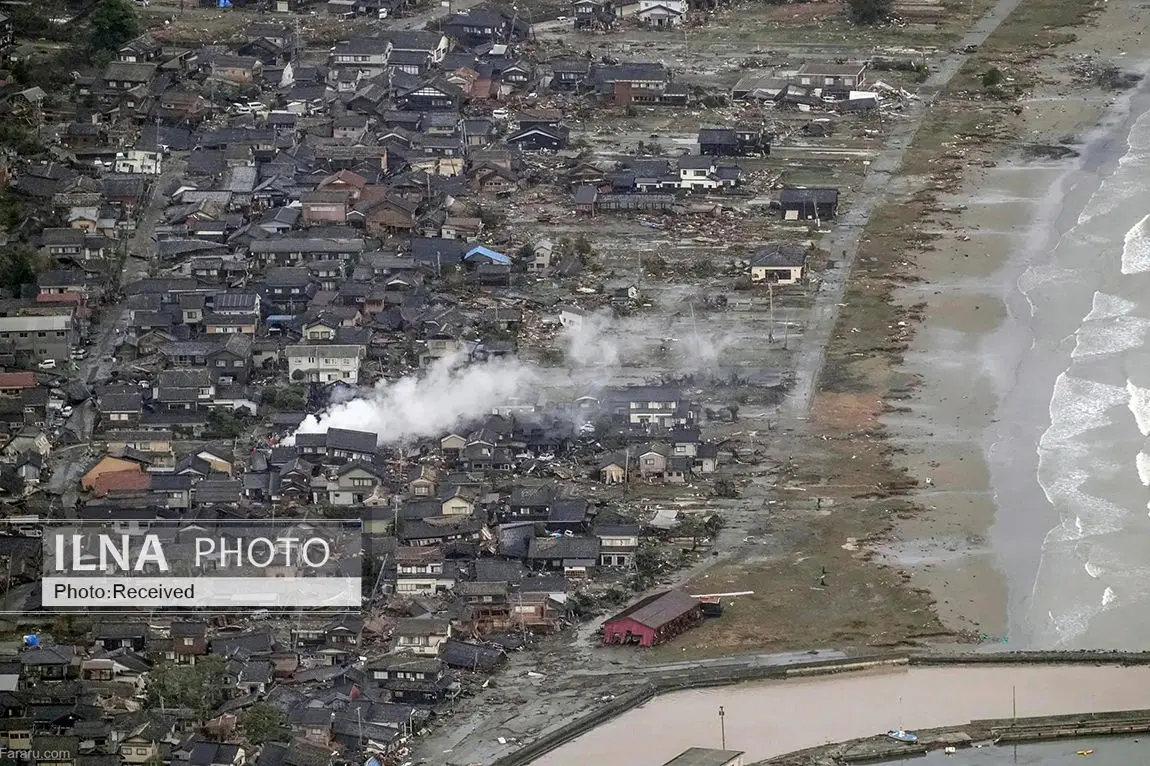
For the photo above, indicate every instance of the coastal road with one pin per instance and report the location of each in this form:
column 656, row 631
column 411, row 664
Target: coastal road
column 843, row 241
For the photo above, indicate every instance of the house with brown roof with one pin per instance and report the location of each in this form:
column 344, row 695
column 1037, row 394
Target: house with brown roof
column 380, row 211
column 653, row 620
column 320, row 207
column 14, row 383
column 107, row 466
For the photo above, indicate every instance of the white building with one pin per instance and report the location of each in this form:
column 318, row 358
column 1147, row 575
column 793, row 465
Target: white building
column 39, row 337
column 697, row 173
column 662, row 13
column 143, row 163
column 325, row 363
column 571, row 317
column 779, row 263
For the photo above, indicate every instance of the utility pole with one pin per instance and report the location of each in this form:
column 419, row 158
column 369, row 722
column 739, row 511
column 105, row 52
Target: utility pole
column 695, row 330
column 771, row 311
column 723, row 726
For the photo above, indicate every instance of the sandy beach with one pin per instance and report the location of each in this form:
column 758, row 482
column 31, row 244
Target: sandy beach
column 969, row 432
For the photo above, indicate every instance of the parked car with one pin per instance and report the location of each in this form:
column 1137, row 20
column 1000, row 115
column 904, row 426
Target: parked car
column 47, row 364
column 66, row 411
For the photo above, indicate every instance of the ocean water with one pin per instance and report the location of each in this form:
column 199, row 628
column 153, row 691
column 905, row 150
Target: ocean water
column 1088, row 294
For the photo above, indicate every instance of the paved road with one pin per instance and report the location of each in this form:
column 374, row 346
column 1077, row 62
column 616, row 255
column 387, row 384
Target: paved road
column 97, row 368
column 421, row 20
column 843, row 241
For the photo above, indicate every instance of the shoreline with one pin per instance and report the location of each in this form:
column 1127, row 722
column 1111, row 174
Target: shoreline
column 1021, row 419
column 847, row 451
column 960, row 433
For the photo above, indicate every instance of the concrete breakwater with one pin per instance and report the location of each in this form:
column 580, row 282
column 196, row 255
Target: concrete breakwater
column 1002, row 730
column 634, row 689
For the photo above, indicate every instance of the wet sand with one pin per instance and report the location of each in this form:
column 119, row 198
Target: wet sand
column 973, row 424
column 778, row 717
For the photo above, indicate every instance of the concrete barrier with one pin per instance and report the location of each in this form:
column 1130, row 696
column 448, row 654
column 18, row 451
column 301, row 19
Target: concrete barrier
column 564, row 734
column 1037, row 658
column 1001, row 730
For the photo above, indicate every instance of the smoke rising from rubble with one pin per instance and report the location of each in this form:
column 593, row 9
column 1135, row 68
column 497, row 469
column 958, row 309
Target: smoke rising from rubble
column 426, row 404
column 451, row 392
column 603, row 341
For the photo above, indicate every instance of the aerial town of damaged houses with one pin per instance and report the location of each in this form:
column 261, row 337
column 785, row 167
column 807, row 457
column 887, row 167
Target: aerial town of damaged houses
column 339, row 229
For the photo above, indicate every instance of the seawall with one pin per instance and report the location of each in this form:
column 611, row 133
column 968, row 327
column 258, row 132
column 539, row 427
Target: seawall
column 1001, row 730
column 640, row 687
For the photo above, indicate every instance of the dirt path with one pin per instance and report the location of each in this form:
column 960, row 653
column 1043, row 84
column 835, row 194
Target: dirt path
column 540, row 690
column 843, row 242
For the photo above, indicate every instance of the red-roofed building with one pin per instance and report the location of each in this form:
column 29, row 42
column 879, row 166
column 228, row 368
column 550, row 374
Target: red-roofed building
column 73, row 299
column 12, row 383
column 653, row 620
column 121, row 481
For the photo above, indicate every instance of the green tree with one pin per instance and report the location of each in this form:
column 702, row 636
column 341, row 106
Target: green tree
column 11, row 482
column 19, row 138
column 19, row 265
column 199, row 687
column 285, row 398
column 582, row 246
column 263, row 723
column 224, row 424
column 992, row 78
column 868, row 11
column 114, row 23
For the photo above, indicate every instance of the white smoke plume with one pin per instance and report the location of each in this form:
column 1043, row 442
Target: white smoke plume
column 452, row 392
column 681, row 347
column 448, row 393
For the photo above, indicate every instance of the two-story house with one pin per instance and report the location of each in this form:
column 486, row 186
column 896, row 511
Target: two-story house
column 39, row 664
column 424, row 636
column 183, row 389
column 367, row 55
column 143, row 735
column 617, row 544
column 325, row 363
column 353, row 483
column 697, row 173
column 288, row 289
column 189, row 642
column 421, row 570
column 413, row 680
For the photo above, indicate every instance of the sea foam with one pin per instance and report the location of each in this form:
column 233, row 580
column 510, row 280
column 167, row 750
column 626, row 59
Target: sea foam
column 1136, row 248
column 1139, row 404
column 1077, row 406
column 1106, row 306
column 1142, row 462
column 1116, row 335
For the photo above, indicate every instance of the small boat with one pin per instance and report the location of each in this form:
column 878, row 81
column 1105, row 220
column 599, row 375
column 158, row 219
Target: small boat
column 902, row 736
column 1085, row 752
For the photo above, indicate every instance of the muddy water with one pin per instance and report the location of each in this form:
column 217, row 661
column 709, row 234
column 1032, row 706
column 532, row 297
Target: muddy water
column 771, row 718
column 1103, row 751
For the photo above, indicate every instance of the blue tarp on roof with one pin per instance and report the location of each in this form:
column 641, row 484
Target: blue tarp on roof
column 488, row 253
